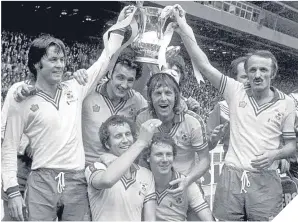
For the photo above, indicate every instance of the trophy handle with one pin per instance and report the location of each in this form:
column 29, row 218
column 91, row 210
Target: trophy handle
column 142, row 18
column 165, row 14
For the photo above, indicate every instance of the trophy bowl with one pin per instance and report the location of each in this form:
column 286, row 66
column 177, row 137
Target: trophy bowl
column 148, row 41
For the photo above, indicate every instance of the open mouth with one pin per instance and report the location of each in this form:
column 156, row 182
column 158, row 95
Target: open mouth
column 163, row 106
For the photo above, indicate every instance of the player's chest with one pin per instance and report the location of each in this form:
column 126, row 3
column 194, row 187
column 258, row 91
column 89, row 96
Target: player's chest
column 132, row 189
column 103, row 107
column 168, row 201
column 269, row 115
column 63, row 107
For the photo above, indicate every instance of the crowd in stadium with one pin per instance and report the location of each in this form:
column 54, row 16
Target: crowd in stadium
column 78, row 148
column 82, row 55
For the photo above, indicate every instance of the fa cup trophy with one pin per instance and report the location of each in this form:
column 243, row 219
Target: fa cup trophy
column 153, row 37
column 150, row 36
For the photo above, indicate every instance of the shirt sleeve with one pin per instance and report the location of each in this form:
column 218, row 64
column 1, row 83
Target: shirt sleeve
column 12, row 137
column 195, row 198
column 99, row 68
column 198, row 134
column 229, row 88
column 288, row 126
column 150, row 195
column 8, row 99
column 92, row 170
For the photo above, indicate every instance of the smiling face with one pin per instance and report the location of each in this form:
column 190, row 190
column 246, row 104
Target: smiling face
column 122, row 80
column 120, row 138
column 260, row 72
column 51, row 66
column 163, row 101
column 161, row 158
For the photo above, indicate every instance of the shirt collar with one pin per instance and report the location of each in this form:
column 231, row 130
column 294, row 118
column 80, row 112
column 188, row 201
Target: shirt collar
column 277, row 94
column 102, row 89
column 178, row 117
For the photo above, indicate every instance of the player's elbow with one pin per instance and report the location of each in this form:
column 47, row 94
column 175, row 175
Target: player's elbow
column 207, row 161
column 102, row 183
column 291, row 148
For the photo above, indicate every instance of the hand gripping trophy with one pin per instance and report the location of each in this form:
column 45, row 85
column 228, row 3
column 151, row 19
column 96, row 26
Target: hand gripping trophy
column 150, row 36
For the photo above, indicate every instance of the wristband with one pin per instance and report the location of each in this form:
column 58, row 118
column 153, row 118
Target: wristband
column 119, row 31
column 13, row 192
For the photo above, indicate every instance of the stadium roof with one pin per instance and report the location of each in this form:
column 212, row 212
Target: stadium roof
column 75, row 20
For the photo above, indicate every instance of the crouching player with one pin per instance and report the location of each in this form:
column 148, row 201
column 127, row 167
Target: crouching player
column 172, row 207
column 119, row 189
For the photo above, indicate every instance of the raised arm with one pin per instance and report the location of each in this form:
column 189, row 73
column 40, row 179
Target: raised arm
column 198, row 57
column 106, row 176
column 99, row 68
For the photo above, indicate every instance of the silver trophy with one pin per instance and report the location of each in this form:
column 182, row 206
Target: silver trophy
column 153, row 38
column 149, row 37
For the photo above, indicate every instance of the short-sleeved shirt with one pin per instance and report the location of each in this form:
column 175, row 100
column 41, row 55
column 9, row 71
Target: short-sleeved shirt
column 124, row 200
column 189, row 134
column 53, row 125
column 97, row 108
column 253, row 128
column 170, row 208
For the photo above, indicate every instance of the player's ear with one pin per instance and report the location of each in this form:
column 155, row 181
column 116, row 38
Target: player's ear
column 38, row 66
column 273, row 74
column 107, row 145
column 110, row 74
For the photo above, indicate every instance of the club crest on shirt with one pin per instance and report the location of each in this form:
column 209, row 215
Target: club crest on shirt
column 178, row 200
column 277, row 118
column 143, row 188
column 96, row 108
column 132, row 111
column 69, row 97
column 184, row 137
column 34, row 107
column 242, row 104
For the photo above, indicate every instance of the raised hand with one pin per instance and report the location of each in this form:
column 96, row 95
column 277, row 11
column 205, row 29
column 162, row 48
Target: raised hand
column 147, row 130
column 125, row 12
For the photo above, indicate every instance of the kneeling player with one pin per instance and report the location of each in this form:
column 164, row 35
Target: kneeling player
column 171, row 207
column 118, row 189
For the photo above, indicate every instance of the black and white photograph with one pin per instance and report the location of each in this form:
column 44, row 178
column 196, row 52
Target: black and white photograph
column 149, row 111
